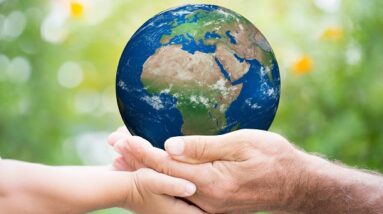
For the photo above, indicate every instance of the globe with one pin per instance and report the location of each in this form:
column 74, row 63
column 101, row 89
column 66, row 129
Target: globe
column 196, row 70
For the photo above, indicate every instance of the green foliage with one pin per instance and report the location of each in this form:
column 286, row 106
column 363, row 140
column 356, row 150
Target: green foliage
column 337, row 108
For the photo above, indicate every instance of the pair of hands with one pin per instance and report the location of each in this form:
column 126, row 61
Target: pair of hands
column 243, row 171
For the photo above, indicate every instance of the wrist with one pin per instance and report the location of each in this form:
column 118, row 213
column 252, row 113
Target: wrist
column 318, row 178
column 131, row 198
column 127, row 190
column 326, row 187
column 92, row 189
column 114, row 190
column 297, row 182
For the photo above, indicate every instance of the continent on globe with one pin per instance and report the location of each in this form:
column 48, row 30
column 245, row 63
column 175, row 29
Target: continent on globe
column 202, row 91
column 197, row 69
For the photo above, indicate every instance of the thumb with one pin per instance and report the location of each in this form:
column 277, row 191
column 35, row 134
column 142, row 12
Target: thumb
column 200, row 149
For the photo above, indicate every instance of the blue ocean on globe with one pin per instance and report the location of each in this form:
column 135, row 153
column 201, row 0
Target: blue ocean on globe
column 197, row 70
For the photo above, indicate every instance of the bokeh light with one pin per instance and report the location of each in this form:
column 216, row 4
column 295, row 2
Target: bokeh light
column 70, row 75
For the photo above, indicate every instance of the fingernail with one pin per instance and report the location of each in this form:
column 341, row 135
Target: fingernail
column 190, row 189
column 174, row 146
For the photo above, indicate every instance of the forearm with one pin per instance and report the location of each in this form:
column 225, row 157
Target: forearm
column 37, row 188
column 331, row 188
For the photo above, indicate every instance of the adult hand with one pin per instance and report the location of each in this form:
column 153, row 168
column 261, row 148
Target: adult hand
column 246, row 170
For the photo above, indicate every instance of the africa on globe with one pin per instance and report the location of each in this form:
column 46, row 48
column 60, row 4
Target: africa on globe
column 197, row 70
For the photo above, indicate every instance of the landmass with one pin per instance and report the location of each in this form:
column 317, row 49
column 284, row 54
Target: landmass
column 198, row 63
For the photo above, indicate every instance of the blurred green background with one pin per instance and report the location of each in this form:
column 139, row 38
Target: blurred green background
column 58, row 61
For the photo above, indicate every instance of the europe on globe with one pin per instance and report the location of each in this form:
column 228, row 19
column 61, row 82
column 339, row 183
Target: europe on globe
column 196, row 70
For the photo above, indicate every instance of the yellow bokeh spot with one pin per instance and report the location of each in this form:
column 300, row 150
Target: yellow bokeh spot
column 332, row 33
column 76, row 9
column 303, row 65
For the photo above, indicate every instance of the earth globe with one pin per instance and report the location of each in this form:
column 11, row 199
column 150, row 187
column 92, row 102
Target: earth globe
column 196, row 70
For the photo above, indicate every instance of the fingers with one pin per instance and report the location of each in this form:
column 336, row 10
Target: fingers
column 121, row 165
column 163, row 184
column 200, row 149
column 159, row 160
column 122, row 147
column 117, row 135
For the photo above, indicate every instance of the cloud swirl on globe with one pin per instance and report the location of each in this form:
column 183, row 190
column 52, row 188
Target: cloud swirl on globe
column 197, row 69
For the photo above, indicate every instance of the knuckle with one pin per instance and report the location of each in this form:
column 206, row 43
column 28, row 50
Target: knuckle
column 199, row 148
column 203, row 151
column 166, row 168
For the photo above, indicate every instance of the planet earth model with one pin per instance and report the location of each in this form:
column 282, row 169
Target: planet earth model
column 197, row 70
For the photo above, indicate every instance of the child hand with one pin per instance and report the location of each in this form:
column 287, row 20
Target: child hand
column 153, row 192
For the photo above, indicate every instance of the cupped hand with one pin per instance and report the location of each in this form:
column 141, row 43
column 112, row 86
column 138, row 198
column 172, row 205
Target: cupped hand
column 243, row 171
column 151, row 191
